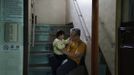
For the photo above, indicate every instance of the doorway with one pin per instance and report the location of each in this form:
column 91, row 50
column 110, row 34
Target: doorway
column 27, row 45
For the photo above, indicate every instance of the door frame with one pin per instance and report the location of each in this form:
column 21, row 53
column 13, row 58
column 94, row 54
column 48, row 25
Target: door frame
column 95, row 36
column 25, row 37
column 94, row 45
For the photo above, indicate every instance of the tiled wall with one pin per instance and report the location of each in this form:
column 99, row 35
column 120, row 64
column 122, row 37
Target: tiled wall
column 11, row 53
column 107, row 24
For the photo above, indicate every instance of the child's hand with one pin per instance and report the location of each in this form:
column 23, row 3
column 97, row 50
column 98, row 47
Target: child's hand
column 65, row 52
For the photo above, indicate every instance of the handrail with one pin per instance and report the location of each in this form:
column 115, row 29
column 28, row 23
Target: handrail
column 33, row 35
column 33, row 31
column 34, row 18
column 77, row 8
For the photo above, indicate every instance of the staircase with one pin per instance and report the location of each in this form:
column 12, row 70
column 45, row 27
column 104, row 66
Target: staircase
column 103, row 66
column 42, row 48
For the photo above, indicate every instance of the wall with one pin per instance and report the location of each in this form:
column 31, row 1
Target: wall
column 50, row 11
column 29, row 24
column 11, row 51
column 85, row 7
column 72, row 16
column 107, row 31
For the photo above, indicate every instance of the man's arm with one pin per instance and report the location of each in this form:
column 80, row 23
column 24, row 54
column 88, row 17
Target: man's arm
column 78, row 53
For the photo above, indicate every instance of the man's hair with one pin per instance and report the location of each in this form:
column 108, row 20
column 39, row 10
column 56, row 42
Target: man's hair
column 60, row 32
column 76, row 30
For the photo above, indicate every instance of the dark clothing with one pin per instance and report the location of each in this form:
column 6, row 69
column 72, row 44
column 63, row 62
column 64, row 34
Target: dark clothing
column 56, row 61
column 66, row 67
column 74, row 50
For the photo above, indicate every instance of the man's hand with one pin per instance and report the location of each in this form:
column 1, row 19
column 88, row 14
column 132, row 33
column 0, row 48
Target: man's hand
column 70, row 54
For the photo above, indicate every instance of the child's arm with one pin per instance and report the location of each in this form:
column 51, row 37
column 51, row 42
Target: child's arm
column 59, row 46
column 67, row 41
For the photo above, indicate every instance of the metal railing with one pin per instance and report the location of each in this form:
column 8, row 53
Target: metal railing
column 82, row 20
column 33, row 30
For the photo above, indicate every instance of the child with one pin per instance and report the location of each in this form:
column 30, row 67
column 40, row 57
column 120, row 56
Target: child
column 58, row 45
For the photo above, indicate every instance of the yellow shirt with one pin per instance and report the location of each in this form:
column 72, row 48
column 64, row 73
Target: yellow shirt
column 76, row 49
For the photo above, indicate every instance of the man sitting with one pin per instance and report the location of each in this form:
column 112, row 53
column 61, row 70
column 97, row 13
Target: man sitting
column 75, row 50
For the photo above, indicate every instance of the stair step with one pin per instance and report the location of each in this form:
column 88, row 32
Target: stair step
column 48, row 33
column 38, row 59
column 41, row 52
column 43, row 42
column 43, row 37
column 39, row 65
column 51, row 28
column 43, row 28
column 40, row 71
column 42, row 33
column 49, row 25
column 102, row 69
column 48, row 41
column 38, row 47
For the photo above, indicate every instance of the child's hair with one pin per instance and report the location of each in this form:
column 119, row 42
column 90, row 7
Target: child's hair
column 60, row 32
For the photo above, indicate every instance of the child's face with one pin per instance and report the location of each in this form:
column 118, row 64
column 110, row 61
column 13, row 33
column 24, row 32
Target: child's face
column 61, row 36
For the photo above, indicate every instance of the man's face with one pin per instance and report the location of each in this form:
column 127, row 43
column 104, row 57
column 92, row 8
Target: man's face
column 73, row 35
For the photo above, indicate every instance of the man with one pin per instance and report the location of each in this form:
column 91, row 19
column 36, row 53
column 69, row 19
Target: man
column 75, row 50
